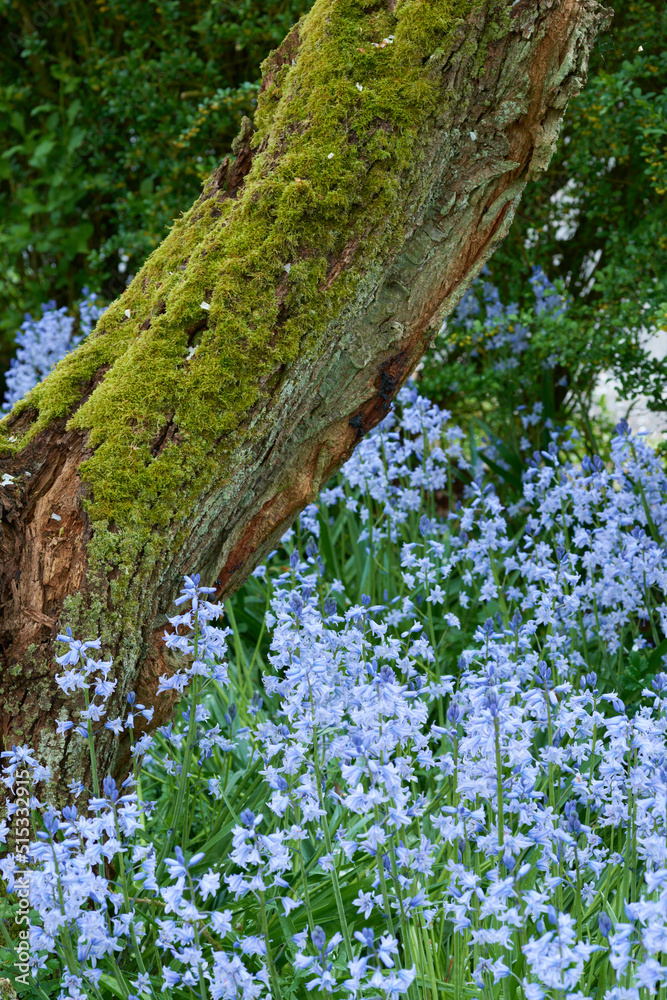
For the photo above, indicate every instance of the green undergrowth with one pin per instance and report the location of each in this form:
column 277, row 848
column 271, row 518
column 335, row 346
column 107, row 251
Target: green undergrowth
column 337, row 141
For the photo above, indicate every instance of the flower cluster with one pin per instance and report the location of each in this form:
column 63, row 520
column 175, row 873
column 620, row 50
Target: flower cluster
column 41, row 343
column 488, row 321
column 449, row 777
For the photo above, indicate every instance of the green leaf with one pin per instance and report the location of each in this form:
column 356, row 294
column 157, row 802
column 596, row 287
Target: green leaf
column 112, row 984
column 147, row 186
column 656, row 655
column 41, row 108
column 41, row 152
column 73, row 110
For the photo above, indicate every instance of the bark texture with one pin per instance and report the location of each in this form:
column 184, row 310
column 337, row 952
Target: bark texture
column 390, row 148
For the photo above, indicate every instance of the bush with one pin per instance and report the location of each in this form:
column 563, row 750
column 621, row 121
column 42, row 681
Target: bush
column 111, row 114
column 511, row 374
column 597, row 218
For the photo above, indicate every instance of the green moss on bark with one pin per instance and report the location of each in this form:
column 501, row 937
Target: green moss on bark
column 337, row 136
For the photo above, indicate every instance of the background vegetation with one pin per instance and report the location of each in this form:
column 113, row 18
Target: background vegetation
column 597, row 218
column 111, row 115
column 113, row 112
column 594, row 225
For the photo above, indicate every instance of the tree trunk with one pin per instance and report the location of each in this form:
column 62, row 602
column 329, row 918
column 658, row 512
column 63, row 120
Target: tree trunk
column 272, row 327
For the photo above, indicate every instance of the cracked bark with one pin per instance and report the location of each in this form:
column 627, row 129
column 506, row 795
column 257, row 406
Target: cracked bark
column 479, row 152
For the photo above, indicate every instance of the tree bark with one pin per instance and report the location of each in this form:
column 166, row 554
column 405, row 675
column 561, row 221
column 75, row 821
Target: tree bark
column 391, row 144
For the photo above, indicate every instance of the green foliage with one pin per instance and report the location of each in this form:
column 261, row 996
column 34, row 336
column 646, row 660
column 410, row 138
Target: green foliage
column 597, row 219
column 595, row 225
column 111, row 115
column 514, row 375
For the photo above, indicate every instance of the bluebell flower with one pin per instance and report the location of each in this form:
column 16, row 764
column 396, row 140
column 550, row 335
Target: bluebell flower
column 43, row 342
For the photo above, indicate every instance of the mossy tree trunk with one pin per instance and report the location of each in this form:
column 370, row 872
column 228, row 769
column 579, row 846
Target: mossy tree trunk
column 391, row 144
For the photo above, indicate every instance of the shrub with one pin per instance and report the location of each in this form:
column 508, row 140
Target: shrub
column 596, row 219
column 511, row 372
column 111, row 115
